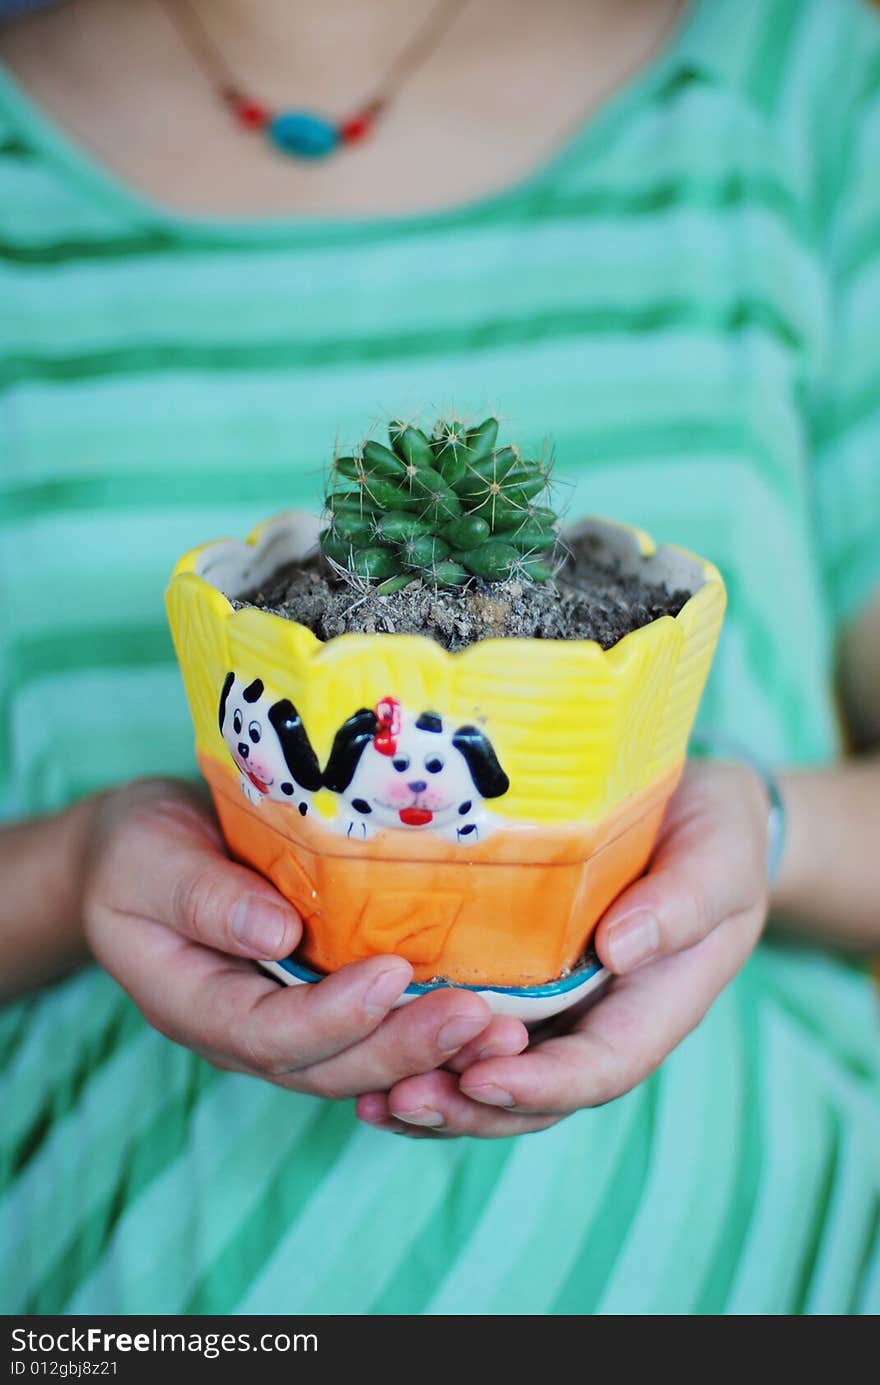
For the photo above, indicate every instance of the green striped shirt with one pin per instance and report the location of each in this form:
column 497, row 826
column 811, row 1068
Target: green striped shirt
column 686, row 296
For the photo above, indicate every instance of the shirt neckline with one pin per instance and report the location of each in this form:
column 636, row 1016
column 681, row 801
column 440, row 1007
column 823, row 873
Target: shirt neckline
column 43, row 133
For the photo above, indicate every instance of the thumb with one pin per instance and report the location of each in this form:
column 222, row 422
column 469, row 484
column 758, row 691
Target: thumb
column 708, row 866
column 226, row 906
column 163, row 859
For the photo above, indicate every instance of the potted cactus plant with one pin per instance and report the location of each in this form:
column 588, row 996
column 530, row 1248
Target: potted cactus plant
column 441, row 511
column 428, row 724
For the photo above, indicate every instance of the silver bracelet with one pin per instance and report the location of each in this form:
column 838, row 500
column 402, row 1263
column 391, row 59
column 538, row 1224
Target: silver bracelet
column 714, row 745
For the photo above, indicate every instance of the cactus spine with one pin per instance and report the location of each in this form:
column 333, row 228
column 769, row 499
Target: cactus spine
column 443, row 508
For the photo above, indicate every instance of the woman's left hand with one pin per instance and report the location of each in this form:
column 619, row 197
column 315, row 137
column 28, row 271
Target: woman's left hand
column 673, row 940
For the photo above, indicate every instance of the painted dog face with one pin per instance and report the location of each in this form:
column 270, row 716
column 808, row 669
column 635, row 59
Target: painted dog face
column 268, row 743
column 396, row 770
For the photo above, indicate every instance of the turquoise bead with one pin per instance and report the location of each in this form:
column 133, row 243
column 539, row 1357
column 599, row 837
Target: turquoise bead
column 303, row 135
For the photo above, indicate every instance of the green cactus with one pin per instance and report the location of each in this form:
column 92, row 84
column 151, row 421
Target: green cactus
column 443, row 508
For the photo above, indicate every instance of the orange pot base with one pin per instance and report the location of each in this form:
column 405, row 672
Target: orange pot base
column 517, row 909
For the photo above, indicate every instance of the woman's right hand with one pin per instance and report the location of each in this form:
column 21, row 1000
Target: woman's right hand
column 179, row 925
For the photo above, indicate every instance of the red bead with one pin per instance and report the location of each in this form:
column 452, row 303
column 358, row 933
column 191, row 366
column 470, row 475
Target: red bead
column 358, row 127
column 252, row 115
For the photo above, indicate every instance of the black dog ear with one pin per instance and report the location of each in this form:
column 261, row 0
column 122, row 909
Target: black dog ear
column 430, row 721
column 227, row 684
column 349, row 744
column 489, row 778
column 254, row 691
column 299, row 756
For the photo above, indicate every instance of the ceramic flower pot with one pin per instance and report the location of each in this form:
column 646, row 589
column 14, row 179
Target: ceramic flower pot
column 474, row 812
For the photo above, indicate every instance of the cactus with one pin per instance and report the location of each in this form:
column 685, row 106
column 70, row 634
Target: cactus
column 444, row 508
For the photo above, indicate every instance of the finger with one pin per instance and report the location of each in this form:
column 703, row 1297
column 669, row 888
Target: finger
column 372, row 1109
column 297, row 1028
column 173, row 852
column 416, row 1038
column 502, row 1038
column 225, row 1006
column 709, row 864
column 433, row 1102
column 623, row 1038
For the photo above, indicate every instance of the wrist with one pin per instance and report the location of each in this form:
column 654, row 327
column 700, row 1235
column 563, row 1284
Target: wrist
column 828, row 884
column 805, row 861
column 66, row 941
column 84, row 829
column 43, row 866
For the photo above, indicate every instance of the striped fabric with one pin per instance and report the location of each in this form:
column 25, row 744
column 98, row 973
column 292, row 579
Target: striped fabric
column 686, row 296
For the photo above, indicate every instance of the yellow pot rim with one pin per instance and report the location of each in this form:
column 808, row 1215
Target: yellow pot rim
column 187, row 569
column 577, row 727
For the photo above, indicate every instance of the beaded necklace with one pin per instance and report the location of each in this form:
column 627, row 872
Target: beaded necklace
column 299, row 133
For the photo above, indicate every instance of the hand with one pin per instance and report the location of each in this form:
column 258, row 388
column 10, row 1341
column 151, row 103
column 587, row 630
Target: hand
column 175, row 922
column 674, row 940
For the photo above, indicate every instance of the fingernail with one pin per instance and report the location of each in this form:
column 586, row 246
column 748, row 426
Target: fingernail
column 259, row 925
column 633, row 940
column 501, row 1048
column 386, row 988
column 422, row 1115
column 458, row 1031
column 492, row 1095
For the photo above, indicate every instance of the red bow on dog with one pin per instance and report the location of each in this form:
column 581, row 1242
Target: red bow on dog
column 389, row 718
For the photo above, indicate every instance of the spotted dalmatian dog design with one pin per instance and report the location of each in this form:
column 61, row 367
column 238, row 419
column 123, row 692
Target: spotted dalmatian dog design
column 396, row 770
column 269, row 745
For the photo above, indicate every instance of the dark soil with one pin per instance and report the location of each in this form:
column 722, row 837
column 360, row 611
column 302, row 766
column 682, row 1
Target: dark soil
column 587, row 599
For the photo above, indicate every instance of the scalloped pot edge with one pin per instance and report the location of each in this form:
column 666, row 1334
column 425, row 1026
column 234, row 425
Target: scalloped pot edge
column 512, row 782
